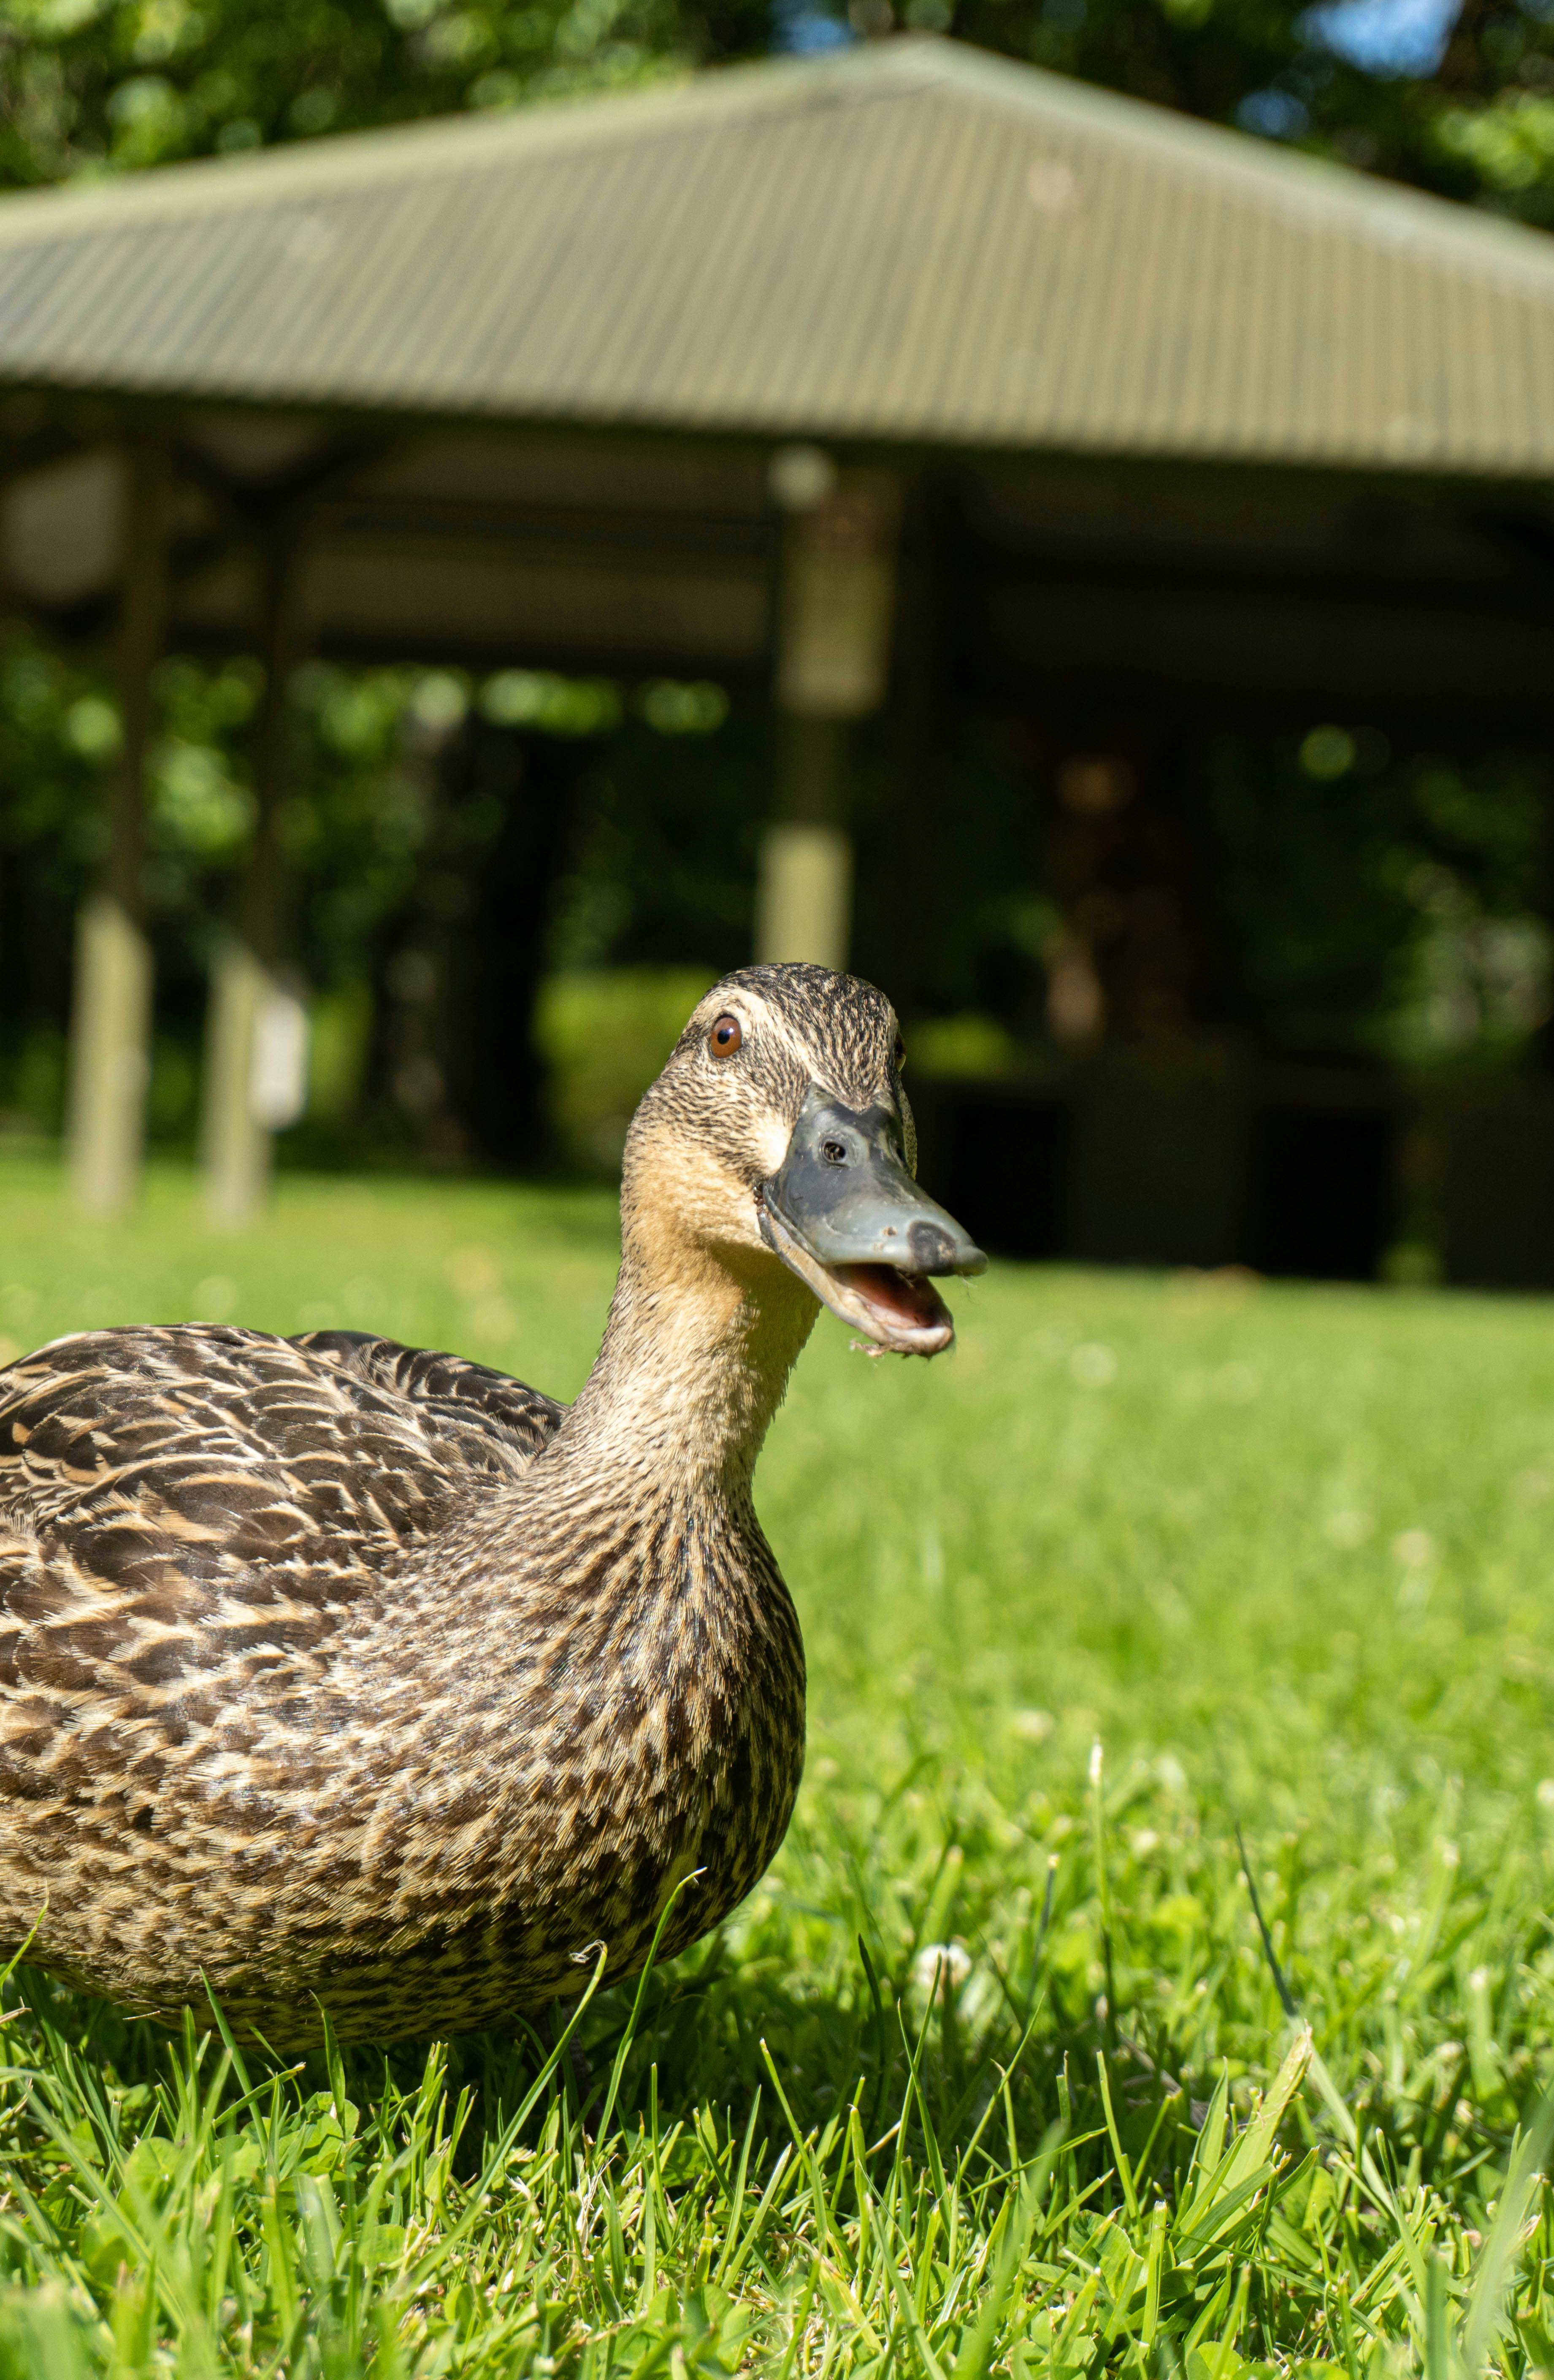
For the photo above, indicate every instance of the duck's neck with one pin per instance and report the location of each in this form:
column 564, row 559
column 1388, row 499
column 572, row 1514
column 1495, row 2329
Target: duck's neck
column 694, row 1361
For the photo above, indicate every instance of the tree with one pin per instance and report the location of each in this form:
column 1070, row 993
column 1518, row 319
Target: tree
column 1467, row 110
column 130, row 83
column 1469, row 113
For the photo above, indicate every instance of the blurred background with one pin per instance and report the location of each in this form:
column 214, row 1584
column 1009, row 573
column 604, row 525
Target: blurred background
column 1130, row 644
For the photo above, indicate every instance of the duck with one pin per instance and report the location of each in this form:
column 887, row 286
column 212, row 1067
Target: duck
column 355, row 1685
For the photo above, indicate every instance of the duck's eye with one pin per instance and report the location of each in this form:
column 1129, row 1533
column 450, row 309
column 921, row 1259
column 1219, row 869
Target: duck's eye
column 725, row 1037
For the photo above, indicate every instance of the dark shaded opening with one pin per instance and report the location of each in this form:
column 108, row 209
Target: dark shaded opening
column 997, row 1159
column 1322, row 1184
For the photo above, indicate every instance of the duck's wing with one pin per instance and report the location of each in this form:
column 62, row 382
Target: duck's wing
column 468, row 1403
column 189, row 1521
column 217, row 1453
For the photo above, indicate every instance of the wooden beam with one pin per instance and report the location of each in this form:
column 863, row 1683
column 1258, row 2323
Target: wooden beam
column 111, row 1016
column 833, row 662
column 804, row 893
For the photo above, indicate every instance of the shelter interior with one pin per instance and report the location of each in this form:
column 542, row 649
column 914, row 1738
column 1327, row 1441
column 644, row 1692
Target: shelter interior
column 1110, row 617
column 1264, row 591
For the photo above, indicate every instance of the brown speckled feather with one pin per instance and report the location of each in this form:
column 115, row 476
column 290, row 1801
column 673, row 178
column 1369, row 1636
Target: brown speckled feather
column 339, row 1673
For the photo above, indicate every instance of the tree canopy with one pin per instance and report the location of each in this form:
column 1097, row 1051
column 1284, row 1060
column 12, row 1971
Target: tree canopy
column 1464, row 107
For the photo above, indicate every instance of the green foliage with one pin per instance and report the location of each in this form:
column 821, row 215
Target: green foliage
column 1349, row 901
column 93, row 85
column 993, row 2073
column 1478, row 129
column 662, row 864
column 604, row 1036
column 121, row 84
column 1318, row 895
column 383, row 848
column 1367, row 901
column 354, row 829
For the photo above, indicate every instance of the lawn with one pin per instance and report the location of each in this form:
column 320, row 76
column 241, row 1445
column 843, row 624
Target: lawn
column 996, row 2072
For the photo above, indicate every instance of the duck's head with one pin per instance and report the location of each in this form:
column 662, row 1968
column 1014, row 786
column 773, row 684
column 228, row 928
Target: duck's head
column 781, row 1126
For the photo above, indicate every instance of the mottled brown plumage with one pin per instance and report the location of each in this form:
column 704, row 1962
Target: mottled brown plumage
column 352, row 1676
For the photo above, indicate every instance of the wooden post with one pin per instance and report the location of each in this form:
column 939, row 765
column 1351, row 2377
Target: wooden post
column 832, row 658
column 804, row 897
column 111, row 1009
column 256, row 1037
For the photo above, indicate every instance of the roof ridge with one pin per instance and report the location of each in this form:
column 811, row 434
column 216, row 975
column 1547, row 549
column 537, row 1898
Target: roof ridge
column 319, row 168
column 1322, row 183
column 329, row 162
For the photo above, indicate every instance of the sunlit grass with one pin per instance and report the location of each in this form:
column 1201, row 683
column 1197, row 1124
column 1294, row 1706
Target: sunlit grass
column 1282, row 1552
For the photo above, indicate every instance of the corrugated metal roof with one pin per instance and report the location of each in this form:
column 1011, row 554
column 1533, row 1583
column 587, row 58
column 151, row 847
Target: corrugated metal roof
column 912, row 241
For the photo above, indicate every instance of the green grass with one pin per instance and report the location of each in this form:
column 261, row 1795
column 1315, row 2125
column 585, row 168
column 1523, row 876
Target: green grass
column 1283, row 1553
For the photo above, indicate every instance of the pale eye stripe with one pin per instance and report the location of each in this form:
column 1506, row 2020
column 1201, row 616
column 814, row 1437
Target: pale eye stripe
column 779, row 1032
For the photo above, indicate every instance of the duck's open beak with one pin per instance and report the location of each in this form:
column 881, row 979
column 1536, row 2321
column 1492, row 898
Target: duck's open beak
column 843, row 1211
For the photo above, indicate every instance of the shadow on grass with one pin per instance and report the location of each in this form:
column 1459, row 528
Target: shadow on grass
column 715, row 2034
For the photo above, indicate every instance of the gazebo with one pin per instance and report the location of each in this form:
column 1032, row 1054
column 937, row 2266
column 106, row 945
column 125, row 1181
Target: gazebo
column 702, row 379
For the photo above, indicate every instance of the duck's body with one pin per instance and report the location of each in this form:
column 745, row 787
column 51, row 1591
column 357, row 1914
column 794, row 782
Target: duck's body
column 338, row 1676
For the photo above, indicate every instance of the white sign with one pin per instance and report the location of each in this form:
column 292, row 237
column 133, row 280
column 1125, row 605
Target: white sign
column 278, row 1083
